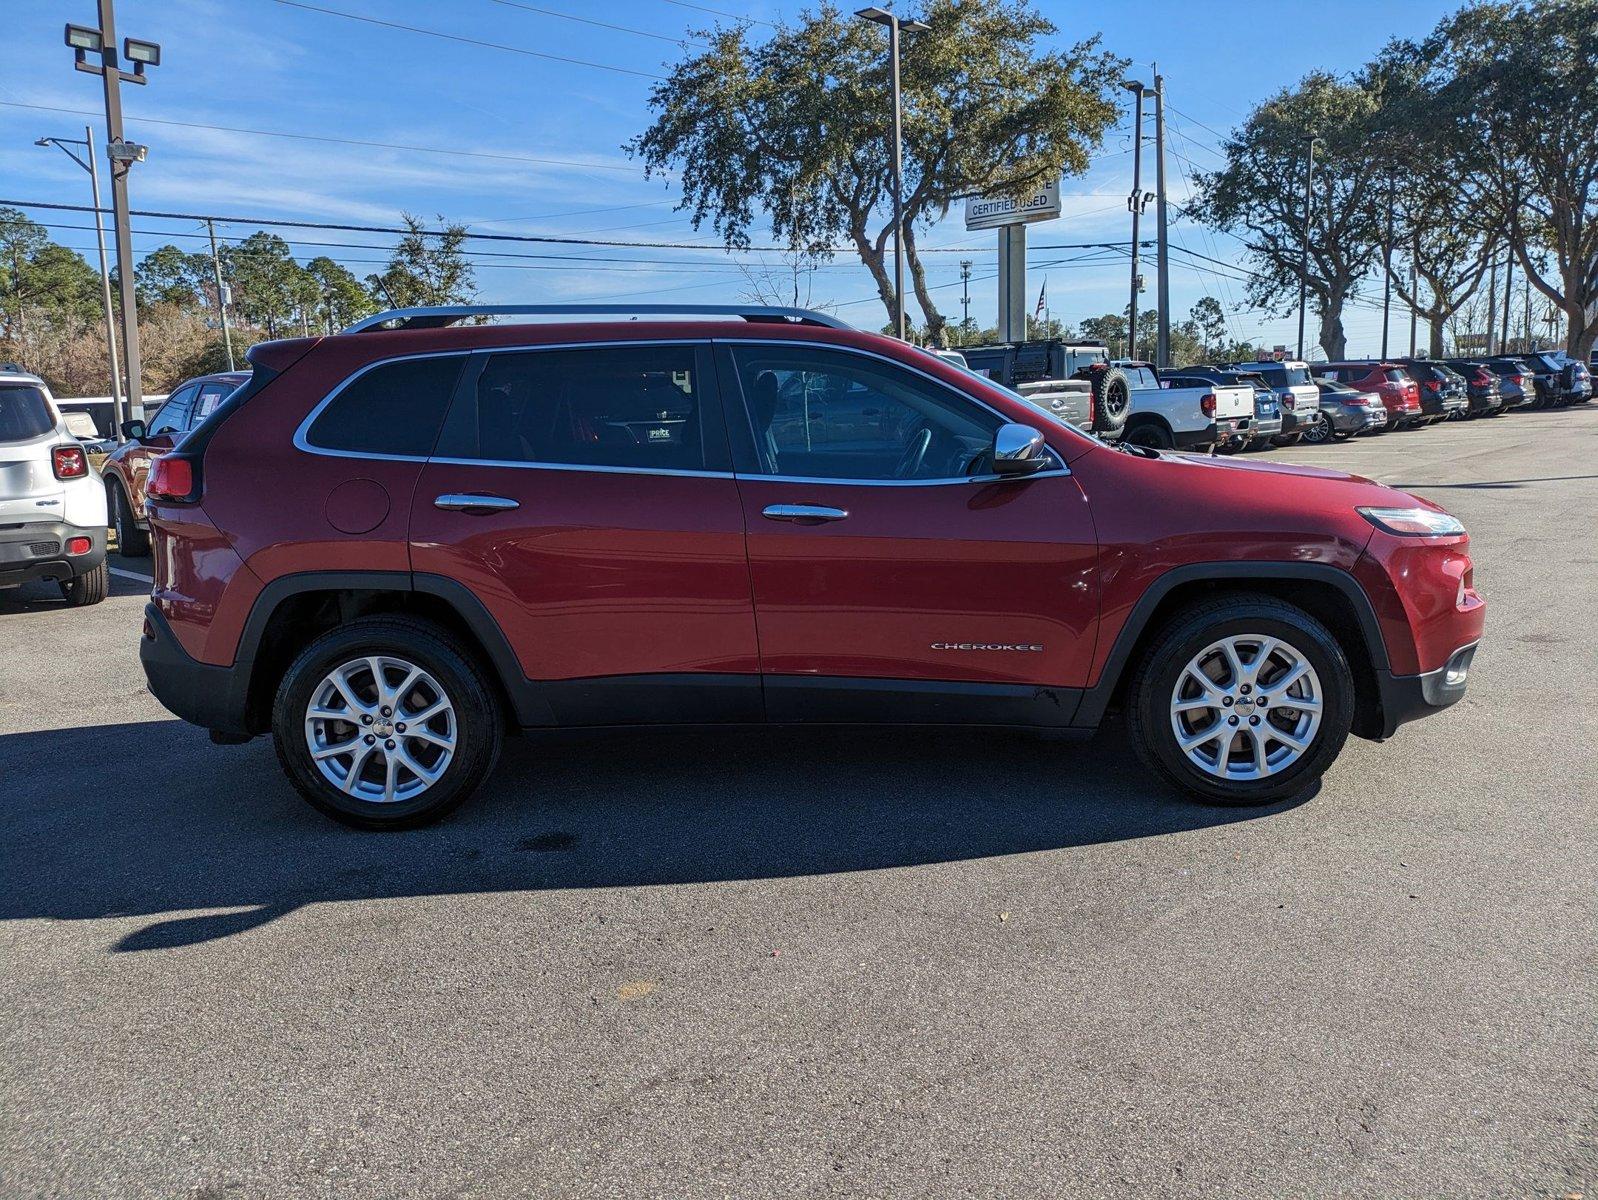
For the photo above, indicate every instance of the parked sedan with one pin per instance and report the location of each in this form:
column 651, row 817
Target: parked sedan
column 1348, row 412
column 1483, row 390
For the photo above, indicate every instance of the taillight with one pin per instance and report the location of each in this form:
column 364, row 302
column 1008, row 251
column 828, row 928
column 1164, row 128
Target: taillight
column 69, row 462
column 1288, row 402
column 1518, row 380
column 1433, row 385
column 79, row 545
column 1207, row 404
column 1483, row 377
column 171, row 478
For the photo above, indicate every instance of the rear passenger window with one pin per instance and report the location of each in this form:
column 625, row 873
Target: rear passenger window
column 616, row 406
column 395, row 408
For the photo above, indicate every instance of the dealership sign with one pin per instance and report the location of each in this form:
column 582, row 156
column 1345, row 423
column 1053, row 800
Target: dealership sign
column 992, row 212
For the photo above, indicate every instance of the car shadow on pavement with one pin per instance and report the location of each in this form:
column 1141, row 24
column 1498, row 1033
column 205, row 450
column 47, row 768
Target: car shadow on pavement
column 141, row 820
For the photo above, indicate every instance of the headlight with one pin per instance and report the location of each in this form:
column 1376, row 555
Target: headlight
column 1413, row 522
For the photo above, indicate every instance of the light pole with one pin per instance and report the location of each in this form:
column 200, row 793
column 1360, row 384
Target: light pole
column 882, row 16
column 965, row 299
column 1136, row 203
column 87, row 162
column 1303, row 265
column 122, row 154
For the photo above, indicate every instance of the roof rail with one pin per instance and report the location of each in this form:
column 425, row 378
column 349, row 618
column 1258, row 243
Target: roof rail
column 438, row 316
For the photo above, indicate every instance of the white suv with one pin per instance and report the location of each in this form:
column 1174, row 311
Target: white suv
column 52, row 501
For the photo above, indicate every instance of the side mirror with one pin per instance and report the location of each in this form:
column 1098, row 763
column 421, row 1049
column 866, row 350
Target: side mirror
column 1019, row 450
column 134, row 431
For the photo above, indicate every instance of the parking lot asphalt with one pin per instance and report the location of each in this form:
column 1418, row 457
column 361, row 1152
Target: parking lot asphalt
column 826, row 963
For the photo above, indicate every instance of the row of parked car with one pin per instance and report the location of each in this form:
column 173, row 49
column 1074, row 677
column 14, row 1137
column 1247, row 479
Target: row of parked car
column 1236, row 406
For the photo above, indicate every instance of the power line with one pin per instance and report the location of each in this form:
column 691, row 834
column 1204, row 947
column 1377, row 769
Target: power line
column 313, row 137
column 719, row 13
column 455, row 37
column 550, row 12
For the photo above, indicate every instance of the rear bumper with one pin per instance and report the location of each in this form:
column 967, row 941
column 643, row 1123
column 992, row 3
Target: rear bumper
column 35, row 552
column 1352, row 419
column 211, row 697
column 1265, row 427
column 1407, row 698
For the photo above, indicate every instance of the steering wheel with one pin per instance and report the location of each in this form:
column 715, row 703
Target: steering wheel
column 914, row 454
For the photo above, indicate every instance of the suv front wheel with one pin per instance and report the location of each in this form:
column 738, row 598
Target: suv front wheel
column 386, row 723
column 1242, row 700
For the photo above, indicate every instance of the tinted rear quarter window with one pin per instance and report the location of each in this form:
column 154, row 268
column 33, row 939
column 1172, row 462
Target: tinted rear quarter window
column 24, row 413
column 392, row 408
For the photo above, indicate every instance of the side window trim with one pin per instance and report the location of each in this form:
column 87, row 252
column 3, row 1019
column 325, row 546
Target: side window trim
column 462, row 413
column 746, row 461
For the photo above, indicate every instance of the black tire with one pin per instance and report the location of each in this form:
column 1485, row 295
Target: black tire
column 132, row 540
column 478, row 719
column 89, row 588
column 1112, row 400
column 1319, row 431
column 1150, row 698
column 1149, row 433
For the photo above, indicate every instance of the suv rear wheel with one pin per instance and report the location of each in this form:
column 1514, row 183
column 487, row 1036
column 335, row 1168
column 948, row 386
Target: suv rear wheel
column 89, row 588
column 386, row 723
column 1242, row 700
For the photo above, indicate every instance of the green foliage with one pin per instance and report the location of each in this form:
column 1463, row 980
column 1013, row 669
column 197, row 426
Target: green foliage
column 168, row 275
column 1515, row 84
column 341, row 297
column 1208, row 321
column 796, row 128
column 1260, row 194
column 426, row 267
column 40, row 279
column 267, row 284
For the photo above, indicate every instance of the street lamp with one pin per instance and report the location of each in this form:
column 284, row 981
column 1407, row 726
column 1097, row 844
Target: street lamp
column 101, row 43
column 1136, row 202
column 1303, row 265
column 87, row 163
column 882, row 16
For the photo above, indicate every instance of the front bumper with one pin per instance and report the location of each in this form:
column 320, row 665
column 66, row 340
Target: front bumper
column 212, row 697
column 1408, row 698
column 36, row 552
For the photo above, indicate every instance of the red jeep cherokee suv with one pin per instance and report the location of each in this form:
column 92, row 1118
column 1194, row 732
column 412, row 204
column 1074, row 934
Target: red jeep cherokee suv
column 395, row 544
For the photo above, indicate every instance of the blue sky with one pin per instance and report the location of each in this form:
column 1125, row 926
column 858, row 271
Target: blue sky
column 543, row 136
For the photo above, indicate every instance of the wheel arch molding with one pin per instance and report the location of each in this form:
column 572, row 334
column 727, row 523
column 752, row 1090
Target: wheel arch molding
column 264, row 649
column 1291, row 581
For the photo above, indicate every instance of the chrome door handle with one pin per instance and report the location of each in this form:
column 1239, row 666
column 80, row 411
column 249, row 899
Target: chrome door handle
column 803, row 512
column 456, row 502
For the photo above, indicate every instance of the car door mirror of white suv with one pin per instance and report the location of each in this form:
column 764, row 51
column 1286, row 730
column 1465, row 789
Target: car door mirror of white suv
column 1019, row 450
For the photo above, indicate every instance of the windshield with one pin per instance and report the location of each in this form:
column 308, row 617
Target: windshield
column 24, row 413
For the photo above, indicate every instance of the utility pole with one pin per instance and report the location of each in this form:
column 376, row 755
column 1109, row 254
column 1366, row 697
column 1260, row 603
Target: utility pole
column 87, row 162
column 1414, row 293
column 122, row 155
column 965, row 299
column 1303, row 266
column 1509, row 291
column 1135, row 203
column 882, row 16
column 221, row 292
column 1492, row 300
column 1162, row 353
column 1387, row 269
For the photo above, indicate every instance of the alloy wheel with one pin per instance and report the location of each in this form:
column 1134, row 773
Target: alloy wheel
column 1246, row 707
column 381, row 729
